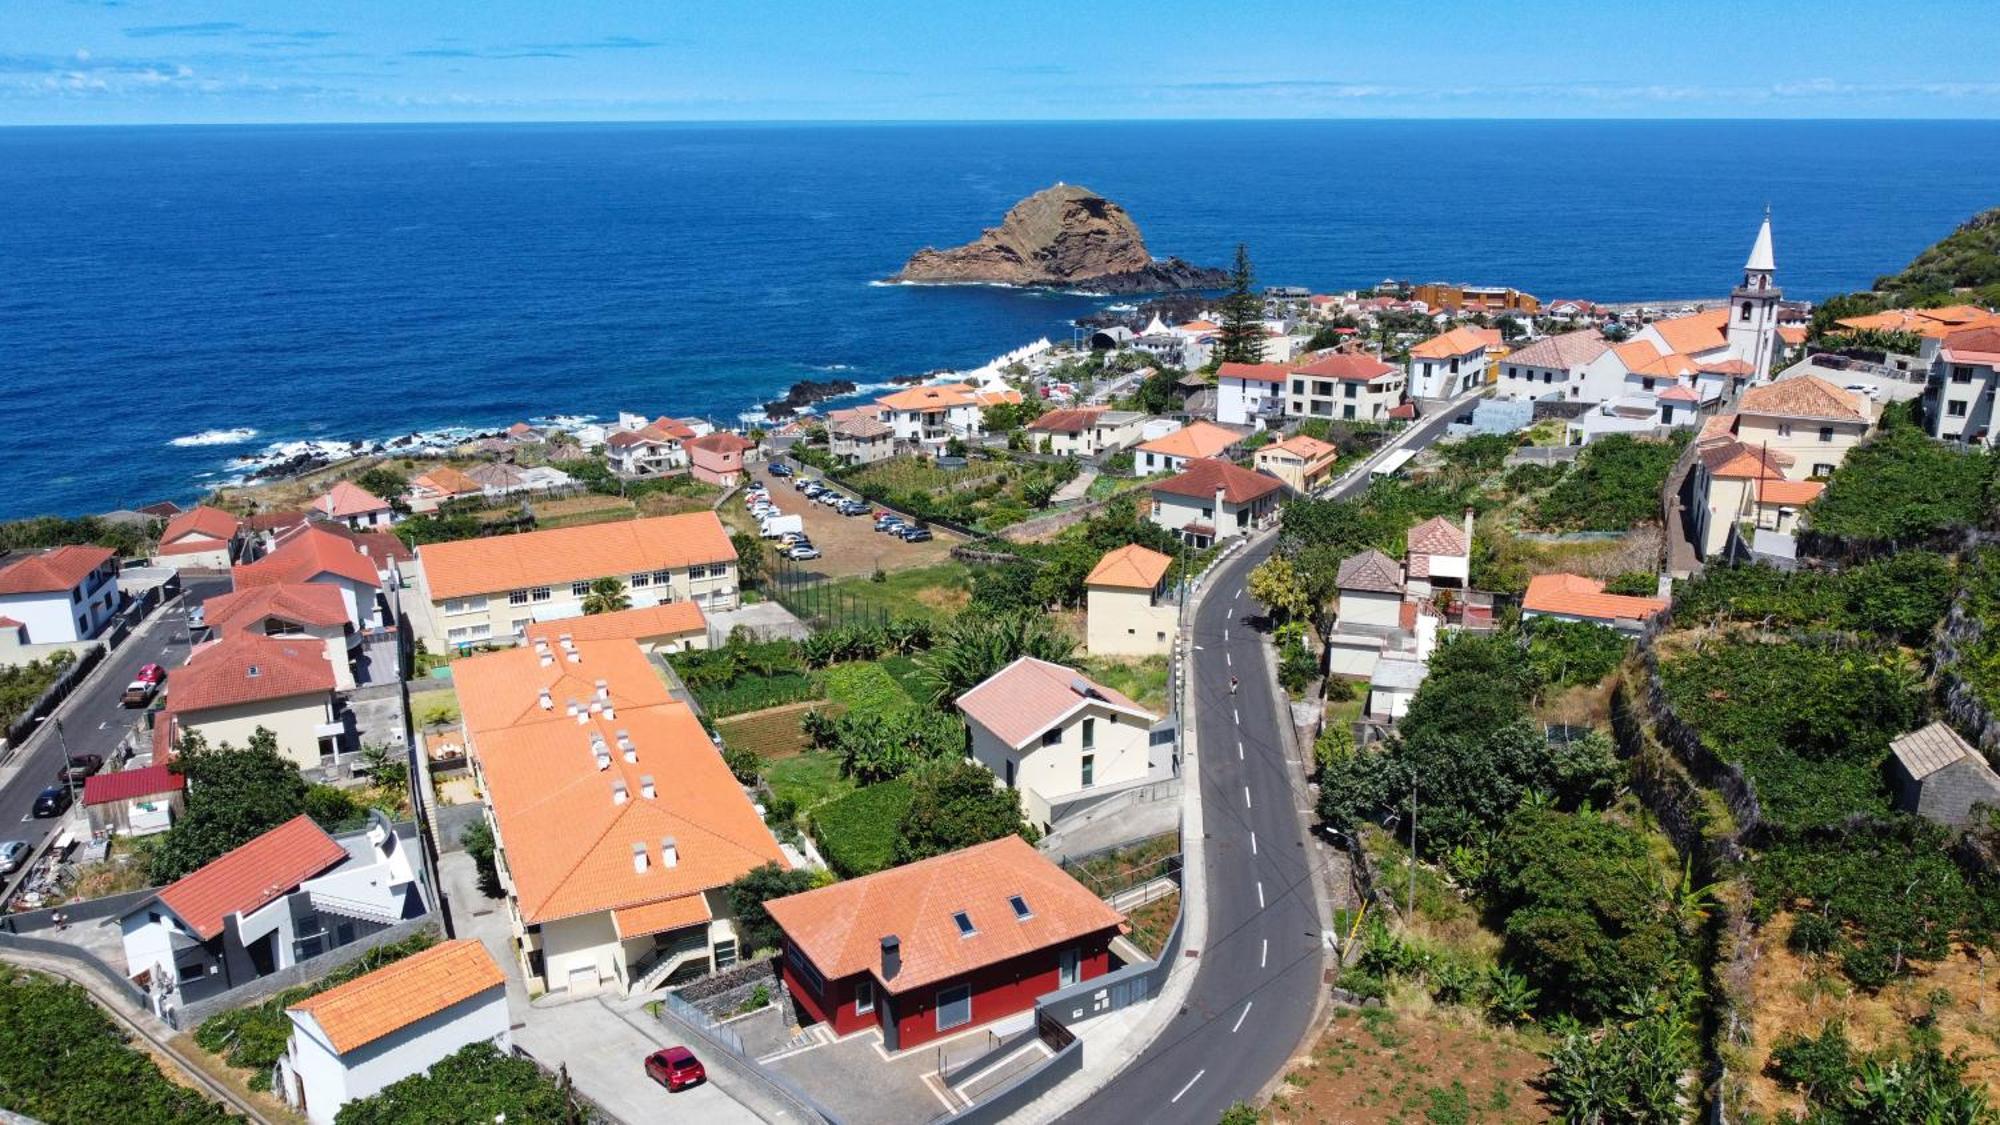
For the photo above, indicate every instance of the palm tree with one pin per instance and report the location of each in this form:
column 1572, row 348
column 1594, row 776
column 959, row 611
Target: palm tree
column 607, row 595
column 973, row 648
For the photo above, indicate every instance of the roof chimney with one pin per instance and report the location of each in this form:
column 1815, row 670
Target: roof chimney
column 572, row 655
column 646, row 789
column 892, row 956
column 620, row 794
column 604, row 689
column 670, row 852
column 638, row 855
column 630, row 749
column 547, row 702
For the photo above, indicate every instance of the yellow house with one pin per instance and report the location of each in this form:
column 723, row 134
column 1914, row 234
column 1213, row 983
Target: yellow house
column 1127, row 608
column 230, row 688
column 1808, row 419
column 1304, row 463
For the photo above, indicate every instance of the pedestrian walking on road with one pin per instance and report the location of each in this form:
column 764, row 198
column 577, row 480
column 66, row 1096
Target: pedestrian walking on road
column 1232, row 685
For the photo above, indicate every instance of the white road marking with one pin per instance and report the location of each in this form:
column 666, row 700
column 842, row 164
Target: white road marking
column 1236, row 715
column 1237, row 596
column 1239, row 751
column 1260, row 897
column 1246, row 797
column 1228, row 660
column 1264, row 951
column 1253, row 843
column 1225, row 632
column 1240, row 1016
column 1191, row 1082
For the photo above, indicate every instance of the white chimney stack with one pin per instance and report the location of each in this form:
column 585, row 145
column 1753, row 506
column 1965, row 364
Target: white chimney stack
column 670, row 853
column 547, row 702
column 646, row 789
column 604, row 689
column 638, row 856
column 619, row 794
column 575, row 708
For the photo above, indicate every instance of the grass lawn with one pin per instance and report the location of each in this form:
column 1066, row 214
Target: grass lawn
column 909, row 675
column 1153, row 922
column 904, row 474
column 810, row 779
column 857, row 833
column 1141, row 679
column 864, row 687
column 930, row 591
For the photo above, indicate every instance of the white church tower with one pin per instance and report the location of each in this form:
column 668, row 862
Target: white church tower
column 1753, row 313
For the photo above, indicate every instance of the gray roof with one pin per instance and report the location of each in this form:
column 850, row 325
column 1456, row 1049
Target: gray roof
column 1371, row 570
column 1926, row 751
column 1570, row 349
column 1398, row 674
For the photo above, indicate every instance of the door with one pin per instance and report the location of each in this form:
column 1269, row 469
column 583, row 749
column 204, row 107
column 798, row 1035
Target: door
column 954, row 1007
column 1068, row 966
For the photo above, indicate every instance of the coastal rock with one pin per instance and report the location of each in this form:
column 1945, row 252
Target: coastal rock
column 1066, row 237
column 805, row 392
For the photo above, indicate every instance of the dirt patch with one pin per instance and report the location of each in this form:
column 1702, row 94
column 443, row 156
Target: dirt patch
column 1583, row 705
column 944, row 599
column 1793, row 994
column 773, row 734
column 1378, row 1065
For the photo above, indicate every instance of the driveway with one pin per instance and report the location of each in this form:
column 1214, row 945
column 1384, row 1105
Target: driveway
column 605, row 1050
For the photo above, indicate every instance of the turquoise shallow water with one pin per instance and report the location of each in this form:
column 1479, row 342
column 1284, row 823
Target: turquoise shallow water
column 358, row 282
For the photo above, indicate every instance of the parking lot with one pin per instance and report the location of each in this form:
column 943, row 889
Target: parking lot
column 849, row 545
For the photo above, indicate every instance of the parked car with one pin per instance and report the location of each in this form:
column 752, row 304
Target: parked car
column 13, row 854
column 198, row 617
column 852, row 508
column 676, row 1068
column 889, row 523
column 831, row 498
column 804, row 483
column 151, row 674
column 80, row 766
column 53, row 801
column 138, row 693
column 801, row 552
column 780, row 469
column 915, row 535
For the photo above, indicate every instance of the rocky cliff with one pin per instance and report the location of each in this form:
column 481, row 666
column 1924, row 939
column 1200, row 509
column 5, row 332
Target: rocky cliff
column 1065, row 236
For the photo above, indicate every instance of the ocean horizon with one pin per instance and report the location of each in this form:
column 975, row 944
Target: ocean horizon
column 180, row 295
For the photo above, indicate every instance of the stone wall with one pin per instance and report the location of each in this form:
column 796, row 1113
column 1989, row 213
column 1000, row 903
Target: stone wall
column 304, row 972
column 720, row 994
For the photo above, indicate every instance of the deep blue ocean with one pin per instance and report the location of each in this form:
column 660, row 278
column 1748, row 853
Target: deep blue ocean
column 351, row 282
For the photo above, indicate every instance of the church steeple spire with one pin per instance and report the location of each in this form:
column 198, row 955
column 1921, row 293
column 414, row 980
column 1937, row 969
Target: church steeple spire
column 1761, row 259
column 1753, row 321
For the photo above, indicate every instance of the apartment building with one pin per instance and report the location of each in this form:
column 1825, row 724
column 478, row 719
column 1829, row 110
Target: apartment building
column 1347, row 386
column 1965, row 379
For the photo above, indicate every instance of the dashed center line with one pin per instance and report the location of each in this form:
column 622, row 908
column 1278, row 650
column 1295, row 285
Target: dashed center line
column 1228, row 660
column 1264, row 952
column 1253, row 843
column 1240, row 1016
column 1246, row 797
column 1239, row 750
column 1190, row 1083
column 1260, row 897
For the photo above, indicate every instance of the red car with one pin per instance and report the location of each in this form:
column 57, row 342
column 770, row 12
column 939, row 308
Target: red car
column 150, row 674
column 676, row 1068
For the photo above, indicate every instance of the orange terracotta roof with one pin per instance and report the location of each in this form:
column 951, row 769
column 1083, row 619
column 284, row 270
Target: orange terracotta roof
column 502, row 689
column 1933, row 323
column 840, row 927
column 248, row 668
column 346, row 499
column 942, row 397
column 301, row 603
column 1807, row 396
column 1634, row 354
column 1436, row 536
column 1573, row 595
column 722, row 441
column 1197, row 327
column 1457, row 342
column 306, row 554
column 1679, row 392
column 668, row 619
column 445, row 481
column 1027, row 697
column 1735, row 460
column 573, row 554
column 1130, row 567
column 1072, row 421
column 1253, row 372
column 1306, row 446
column 253, row 875
column 1671, row 366
column 400, row 993
column 126, row 785
column 1203, row 477
column 1196, row 439
column 1492, row 336
column 1705, row 331
column 662, row 916
column 1727, row 367
column 1372, row 571
column 1563, row 350
column 1975, row 345
column 1794, row 492
column 1719, row 428
column 204, row 521
column 570, row 836
column 55, row 570
column 1348, row 367
column 1792, row 334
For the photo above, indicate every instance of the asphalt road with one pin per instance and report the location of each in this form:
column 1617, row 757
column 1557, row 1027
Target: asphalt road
column 92, row 720
column 1259, row 977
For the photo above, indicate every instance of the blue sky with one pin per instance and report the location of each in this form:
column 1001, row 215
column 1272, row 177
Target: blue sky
column 134, row 61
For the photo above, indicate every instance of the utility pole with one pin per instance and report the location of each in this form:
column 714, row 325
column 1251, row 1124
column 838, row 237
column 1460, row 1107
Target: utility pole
column 1412, row 896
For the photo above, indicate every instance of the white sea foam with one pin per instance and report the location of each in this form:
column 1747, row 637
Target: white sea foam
column 236, row 436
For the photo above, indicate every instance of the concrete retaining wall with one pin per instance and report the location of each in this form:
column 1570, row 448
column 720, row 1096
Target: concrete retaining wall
column 304, row 972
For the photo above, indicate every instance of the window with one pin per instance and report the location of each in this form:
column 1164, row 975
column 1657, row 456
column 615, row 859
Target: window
column 1156, row 507
column 725, row 953
column 1010, row 773
column 864, row 996
column 1826, row 433
column 954, row 1007
column 1208, row 513
column 1955, row 408
column 1454, row 366
column 579, row 589
column 1353, row 390
column 1784, row 429
column 666, row 577
column 1646, row 383
column 517, row 597
column 1089, row 733
column 1089, row 770
column 1323, row 388
column 1052, row 737
column 1020, row 905
column 1746, row 311
column 808, row 973
column 454, row 606
column 640, row 581
column 539, row 594
column 964, row 923
column 1822, row 469
column 1347, row 411
column 1961, row 374
column 1298, row 386
column 697, row 572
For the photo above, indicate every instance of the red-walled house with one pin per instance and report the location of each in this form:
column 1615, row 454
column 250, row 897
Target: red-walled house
column 943, row 944
column 718, row 458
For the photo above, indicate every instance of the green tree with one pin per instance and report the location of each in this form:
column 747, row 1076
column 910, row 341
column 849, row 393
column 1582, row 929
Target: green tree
column 386, row 483
column 955, row 805
column 233, row 797
column 1241, row 339
column 477, row 839
column 474, row 1086
column 607, row 595
column 1276, row 583
column 752, row 559
column 975, row 646
column 754, row 888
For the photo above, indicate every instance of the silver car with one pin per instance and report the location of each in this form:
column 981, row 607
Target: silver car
column 13, row 854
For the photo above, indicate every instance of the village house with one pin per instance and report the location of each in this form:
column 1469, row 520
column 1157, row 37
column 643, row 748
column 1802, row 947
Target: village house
column 350, row 504
column 1250, row 394
column 1964, row 381
column 203, row 538
column 490, row 590
column 61, row 595
column 664, row 628
column 286, row 896
column 1939, row 776
column 1438, row 557
column 1210, row 501
column 294, row 611
column 933, row 415
column 1724, row 485
column 1370, row 615
column 134, row 802
column 1345, row 385
column 438, row 487
column 1128, row 610
column 1058, row 736
column 1087, row 431
column 859, row 436
column 718, row 458
column 232, row 687
column 1304, row 464
column 1449, row 364
column 1572, row 597
column 1930, row 326
column 1172, row 452
column 650, row 449
column 1552, row 367
column 617, row 827
column 932, row 948
column 318, row 555
column 357, row 1038
column 1809, row 420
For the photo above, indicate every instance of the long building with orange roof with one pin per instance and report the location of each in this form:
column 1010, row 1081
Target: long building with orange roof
column 933, row 414
column 618, row 828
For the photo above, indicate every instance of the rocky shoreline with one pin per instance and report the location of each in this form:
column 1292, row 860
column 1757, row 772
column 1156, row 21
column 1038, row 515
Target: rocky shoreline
column 1064, row 237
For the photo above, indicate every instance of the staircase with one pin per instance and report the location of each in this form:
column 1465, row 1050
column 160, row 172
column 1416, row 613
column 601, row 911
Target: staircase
column 654, row 968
